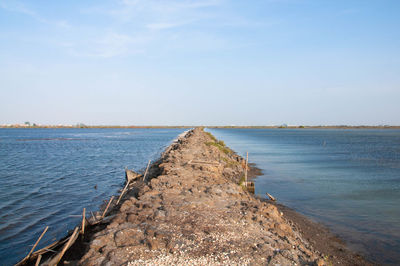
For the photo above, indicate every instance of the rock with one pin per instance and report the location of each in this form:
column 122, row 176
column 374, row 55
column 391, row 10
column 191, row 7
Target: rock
column 153, row 244
column 320, row 262
column 272, row 212
column 128, row 237
column 196, row 214
column 283, row 229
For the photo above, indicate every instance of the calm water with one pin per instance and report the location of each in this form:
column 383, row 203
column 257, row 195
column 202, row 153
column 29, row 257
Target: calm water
column 47, row 175
column 346, row 179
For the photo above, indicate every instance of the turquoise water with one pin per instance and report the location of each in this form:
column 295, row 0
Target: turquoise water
column 347, row 179
column 49, row 175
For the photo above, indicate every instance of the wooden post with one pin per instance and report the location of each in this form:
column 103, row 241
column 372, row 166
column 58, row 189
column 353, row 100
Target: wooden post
column 122, row 192
column 57, row 258
column 39, row 258
column 271, row 197
column 83, row 221
column 108, row 205
column 245, row 174
column 37, row 242
column 147, row 168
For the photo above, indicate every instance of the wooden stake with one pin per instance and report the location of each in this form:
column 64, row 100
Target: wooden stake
column 271, row 197
column 37, row 242
column 147, row 168
column 83, row 221
column 245, row 174
column 48, row 248
column 108, row 205
column 123, row 191
column 39, row 258
column 57, row 258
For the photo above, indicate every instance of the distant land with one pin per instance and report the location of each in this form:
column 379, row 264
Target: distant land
column 28, row 125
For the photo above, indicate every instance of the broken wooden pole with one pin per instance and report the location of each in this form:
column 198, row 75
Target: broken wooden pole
column 123, row 191
column 147, row 168
column 37, row 242
column 271, row 197
column 39, row 258
column 83, row 221
column 108, row 205
column 57, row 258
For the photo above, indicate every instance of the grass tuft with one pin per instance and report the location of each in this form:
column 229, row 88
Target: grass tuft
column 219, row 144
column 211, row 136
column 221, row 147
column 229, row 162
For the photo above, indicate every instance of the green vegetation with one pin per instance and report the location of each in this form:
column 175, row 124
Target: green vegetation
column 241, row 182
column 219, row 144
column 283, row 126
column 229, row 162
column 328, row 260
column 211, row 136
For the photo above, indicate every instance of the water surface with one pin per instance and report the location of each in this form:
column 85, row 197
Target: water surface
column 48, row 175
column 346, row 179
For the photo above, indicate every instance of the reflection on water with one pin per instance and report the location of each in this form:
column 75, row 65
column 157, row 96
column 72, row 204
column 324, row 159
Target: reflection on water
column 347, row 179
column 47, row 175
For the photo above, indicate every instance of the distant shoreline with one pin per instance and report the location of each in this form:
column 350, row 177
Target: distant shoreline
column 233, row 127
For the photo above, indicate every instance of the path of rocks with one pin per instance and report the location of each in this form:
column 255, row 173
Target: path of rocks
column 193, row 212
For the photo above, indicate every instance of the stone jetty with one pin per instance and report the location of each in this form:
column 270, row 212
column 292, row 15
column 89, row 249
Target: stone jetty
column 192, row 210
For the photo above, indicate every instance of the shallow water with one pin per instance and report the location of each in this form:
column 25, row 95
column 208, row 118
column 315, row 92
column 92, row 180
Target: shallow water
column 346, row 179
column 47, row 175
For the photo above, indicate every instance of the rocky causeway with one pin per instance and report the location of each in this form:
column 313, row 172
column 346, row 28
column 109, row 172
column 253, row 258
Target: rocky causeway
column 193, row 209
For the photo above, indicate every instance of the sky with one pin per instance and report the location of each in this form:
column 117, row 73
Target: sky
column 204, row 62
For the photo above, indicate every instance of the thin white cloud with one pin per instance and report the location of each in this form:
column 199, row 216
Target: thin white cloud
column 139, row 24
column 154, row 11
column 109, row 45
column 15, row 6
column 114, row 44
column 173, row 5
column 130, row 27
column 161, row 26
column 18, row 7
column 165, row 25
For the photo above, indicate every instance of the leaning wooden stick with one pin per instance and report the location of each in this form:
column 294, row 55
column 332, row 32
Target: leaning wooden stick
column 145, row 173
column 108, row 205
column 123, row 191
column 57, row 258
column 271, row 197
column 83, row 221
column 37, row 242
column 39, row 258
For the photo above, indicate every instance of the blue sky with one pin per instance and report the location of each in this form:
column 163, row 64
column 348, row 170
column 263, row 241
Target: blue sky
column 210, row 62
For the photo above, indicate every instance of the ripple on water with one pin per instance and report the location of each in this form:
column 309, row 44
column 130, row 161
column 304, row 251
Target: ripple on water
column 47, row 175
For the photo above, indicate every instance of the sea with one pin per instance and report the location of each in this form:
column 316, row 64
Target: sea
column 346, row 179
column 47, row 177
